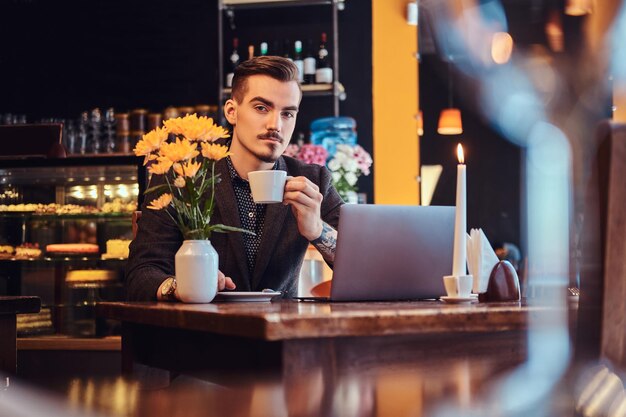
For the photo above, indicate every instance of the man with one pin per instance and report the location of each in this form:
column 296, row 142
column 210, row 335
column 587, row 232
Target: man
column 262, row 110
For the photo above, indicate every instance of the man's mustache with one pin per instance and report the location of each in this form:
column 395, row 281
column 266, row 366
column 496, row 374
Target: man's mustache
column 271, row 135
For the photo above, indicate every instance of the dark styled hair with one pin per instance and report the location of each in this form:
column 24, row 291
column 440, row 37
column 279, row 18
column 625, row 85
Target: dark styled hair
column 276, row 67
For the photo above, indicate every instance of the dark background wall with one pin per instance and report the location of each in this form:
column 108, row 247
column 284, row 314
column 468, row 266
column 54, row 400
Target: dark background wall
column 63, row 57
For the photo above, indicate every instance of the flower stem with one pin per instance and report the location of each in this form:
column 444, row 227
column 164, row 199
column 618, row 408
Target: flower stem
column 211, row 201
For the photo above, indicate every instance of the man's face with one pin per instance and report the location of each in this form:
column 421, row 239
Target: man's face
column 266, row 117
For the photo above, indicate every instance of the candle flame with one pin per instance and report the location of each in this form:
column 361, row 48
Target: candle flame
column 459, row 154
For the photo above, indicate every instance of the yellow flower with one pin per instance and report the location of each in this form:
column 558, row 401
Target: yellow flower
column 188, row 169
column 181, row 150
column 195, row 128
column 151, row 142
column 215, row 152
column 160, row 203
column 161, row 167
column 179, row 182
column 213, row 133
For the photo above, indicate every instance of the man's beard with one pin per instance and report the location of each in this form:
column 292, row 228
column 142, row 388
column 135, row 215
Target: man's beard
column 270, row 158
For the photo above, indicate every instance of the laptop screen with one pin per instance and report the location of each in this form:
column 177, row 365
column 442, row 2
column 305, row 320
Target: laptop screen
column 389, row 252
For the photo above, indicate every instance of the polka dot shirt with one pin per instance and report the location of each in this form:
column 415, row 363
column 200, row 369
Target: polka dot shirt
column 251, row 215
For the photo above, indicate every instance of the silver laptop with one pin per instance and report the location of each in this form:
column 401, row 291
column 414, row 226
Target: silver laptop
column 392, row 252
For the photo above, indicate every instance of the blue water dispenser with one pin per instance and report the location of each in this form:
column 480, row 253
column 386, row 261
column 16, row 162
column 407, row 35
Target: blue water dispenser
column 332, row 131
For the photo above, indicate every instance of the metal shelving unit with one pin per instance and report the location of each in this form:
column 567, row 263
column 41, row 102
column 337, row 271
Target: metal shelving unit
column 70, row 260
column 257, row 4
column 229, row 8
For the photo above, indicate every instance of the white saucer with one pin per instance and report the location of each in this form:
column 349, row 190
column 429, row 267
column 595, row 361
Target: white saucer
column 457, row 300
column 246, row 296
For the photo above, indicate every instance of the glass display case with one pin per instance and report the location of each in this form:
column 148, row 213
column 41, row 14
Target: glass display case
column 65, row 226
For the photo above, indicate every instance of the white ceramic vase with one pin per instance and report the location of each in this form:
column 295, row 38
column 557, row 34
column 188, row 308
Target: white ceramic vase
column 196, row 264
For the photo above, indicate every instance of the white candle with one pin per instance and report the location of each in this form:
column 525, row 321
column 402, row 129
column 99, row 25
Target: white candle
column 460, row 219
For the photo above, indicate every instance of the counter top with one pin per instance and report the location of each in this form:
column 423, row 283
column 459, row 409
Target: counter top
column 19, row 304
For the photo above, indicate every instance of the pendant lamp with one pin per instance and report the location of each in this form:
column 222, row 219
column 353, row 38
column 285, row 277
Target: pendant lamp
column 450, row 122
column 450, row 119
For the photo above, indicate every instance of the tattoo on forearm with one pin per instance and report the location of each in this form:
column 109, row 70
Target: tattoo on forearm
column 327, row 243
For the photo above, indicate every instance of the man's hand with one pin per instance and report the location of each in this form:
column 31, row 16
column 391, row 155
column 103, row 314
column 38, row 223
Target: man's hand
column 305, row 200
column 222, row 282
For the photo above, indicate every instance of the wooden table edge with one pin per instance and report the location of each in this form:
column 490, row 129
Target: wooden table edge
column 285, row 326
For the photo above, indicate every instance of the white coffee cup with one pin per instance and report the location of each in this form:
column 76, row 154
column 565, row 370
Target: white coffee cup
column 458, row 286
column 267, row 186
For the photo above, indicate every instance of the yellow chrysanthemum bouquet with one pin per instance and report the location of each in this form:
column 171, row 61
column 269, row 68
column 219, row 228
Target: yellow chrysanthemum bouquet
column 188, row 167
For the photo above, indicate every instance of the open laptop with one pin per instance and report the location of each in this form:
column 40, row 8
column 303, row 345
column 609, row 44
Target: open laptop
column 392, row 252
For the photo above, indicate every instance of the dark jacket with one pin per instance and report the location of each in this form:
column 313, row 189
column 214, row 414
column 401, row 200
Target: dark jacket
column 280, row 255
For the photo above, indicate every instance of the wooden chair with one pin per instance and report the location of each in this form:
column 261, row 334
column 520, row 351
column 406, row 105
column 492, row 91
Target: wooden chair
column 136, row 217
column 9, row 307
column 602, row 312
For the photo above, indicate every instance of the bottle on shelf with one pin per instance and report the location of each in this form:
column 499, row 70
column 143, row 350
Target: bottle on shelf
column 287, row 50
column 297, row 59
column 170, row 112
column 122, row 133
column 154, row 121
column 234, row 61
column 16, row 119
column 95, row 131
column 202, row 110
column 323, row 72
column 207, row 110
column 109, row 131
column 263, row 48
column 83, row 129
column 310, row 64
column 250, row 51
column 186, row 110
column 137, row 120
column 69, row 137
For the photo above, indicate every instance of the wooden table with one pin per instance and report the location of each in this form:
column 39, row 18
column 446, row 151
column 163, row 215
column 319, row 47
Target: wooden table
column 9, row 308
column 303, row 335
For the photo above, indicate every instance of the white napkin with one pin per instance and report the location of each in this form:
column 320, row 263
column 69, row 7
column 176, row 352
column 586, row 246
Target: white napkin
column 481, row 259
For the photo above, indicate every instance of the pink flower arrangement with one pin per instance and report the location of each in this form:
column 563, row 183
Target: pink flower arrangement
column 311, row 154
column 363, row 160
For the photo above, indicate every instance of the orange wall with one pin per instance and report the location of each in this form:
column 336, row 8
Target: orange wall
column 395, row 103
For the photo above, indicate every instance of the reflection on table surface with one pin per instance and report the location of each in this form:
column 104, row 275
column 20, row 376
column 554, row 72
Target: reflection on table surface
column 395, row 392
column 459, row 387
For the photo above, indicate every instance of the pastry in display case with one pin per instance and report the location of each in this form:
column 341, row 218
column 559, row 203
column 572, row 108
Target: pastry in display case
column 65, row 228
column 7, row 251
column 117, row 248
column 72, row 249
column 35, row 324
column 27, row 251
